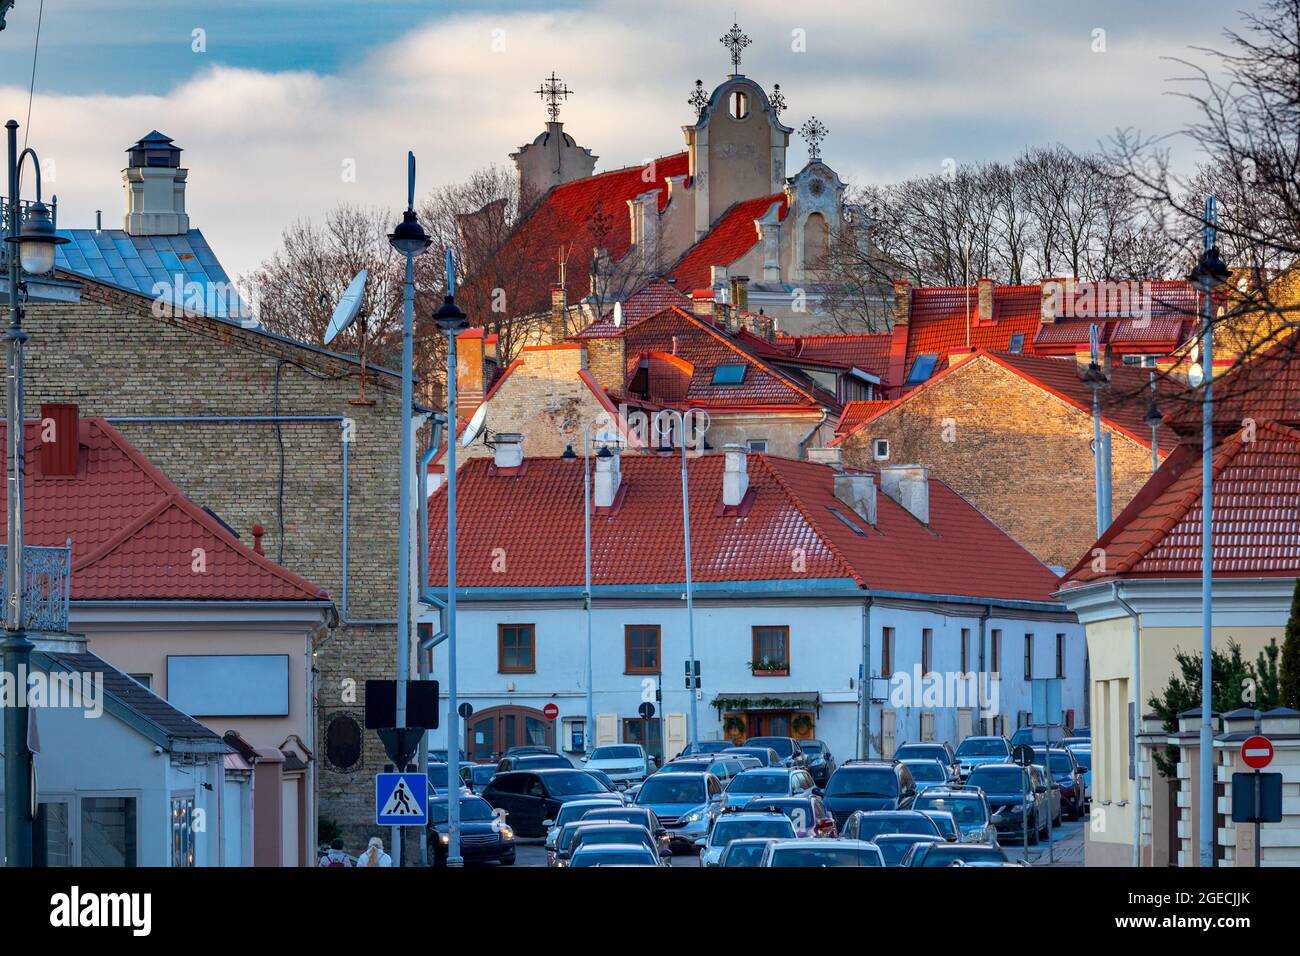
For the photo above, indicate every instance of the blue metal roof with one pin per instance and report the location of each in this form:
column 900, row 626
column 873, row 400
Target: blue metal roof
column 183, row 269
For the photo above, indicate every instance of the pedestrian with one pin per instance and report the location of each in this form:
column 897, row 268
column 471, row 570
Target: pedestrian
column 335, row 856
column 375, row 855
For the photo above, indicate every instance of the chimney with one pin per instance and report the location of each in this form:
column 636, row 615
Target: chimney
column 740, row 292
column 735, row 478
column 155, row 188
column 858, row 491
column 1049, row 305
column 607, row 362
column 508, row 449
column 608, row 478
column 717, row 277
column 764, row 326
column 59, row 440
column 902, row 302
column 703, row 304
column 559, row 311
column 825, row 456
column 909, row 485
column 258, row 531
column 471, row 370
column 985, row 287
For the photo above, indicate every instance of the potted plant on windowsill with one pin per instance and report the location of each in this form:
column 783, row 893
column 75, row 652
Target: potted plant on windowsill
column 802, row 725
column 769, row 667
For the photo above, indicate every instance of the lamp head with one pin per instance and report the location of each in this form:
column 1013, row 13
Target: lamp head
column 409, row 238
column 36, row 240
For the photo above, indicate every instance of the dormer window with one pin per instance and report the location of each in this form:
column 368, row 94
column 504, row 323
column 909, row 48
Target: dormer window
column 922, row 369
column 739, row 102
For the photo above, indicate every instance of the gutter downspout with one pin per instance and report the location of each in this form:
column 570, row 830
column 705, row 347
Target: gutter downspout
column 426, row 595
column 864, row 744
column 1137, row 711
column 813, row 431
column 424, row 648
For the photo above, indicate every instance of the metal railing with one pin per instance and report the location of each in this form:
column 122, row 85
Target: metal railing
column 46, row 580
column 6, row 247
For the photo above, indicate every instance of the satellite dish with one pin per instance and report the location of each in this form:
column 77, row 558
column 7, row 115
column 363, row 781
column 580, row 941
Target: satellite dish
column 475, row 426
column 345, row 313
column 618, row 315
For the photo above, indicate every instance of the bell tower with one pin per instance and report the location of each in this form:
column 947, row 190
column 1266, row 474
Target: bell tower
column 553, row 158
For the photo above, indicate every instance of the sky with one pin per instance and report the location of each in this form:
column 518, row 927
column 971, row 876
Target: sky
column 285, row 108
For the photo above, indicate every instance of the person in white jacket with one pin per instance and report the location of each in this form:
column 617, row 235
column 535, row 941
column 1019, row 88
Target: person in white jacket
column 374, row 854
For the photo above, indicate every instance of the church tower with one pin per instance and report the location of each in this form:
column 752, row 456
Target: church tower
column 553, row 158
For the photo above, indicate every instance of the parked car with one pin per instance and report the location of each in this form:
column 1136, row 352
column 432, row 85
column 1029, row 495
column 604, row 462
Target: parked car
column 533, row 761
column 746, row 852
column 475, row 776
column 929, row 773
column 950, row 854
column 642, row 816
column 808, row 813
column 767, row 782
column 526, row 749
column 572, row 812
column 946, row 823
column 1074, row 740
column 746, row 761
column 482, row 838
column 1050, row 791
column 867, row 825
column 724, row 766
column 968, row 805
column 821, row 853
column 685, row 803
column 615, row 854
column 437, row 775
column 976, row 751
column 607, row 783
column 624, row 764
column 530, row 797
column 764, row 755
column 1016, row 798
column 440, row 756
column 930, row 750
column 734, row 826
column 1024, row 736
column 596, row 832
column 1068, row 774
column 868, row 785
column 820, row 763
column 894, row 847
column 704, row 747
column 1083, row 757
column 564, row 842
column 787, row 748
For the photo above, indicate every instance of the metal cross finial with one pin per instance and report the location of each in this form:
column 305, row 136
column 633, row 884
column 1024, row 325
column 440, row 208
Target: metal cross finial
column 777, row 99
column 698, row 98
column 552, row 91
column 735, row 41
column 814, row 131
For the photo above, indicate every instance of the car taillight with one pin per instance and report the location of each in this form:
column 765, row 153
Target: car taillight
column 824, row 827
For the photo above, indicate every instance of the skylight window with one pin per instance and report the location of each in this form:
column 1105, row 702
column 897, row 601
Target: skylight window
column 1017, row 342
column 729, row 374
column 852, row 527
column 922, row 368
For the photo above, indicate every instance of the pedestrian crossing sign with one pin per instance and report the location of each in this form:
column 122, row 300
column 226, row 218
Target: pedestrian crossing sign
column 401, row 800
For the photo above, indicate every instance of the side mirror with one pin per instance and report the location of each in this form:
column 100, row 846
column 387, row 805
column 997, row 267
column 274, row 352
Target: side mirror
column 1040, row 789
column 818, row 792
column 548, row 823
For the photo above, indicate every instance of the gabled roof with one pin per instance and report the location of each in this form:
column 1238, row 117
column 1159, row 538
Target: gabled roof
column 1266, row 386
column 134, row 533
column 1256, row 502
column 857, row 412
column 651, row 299
column 733, row 235
column 539, row 510
column 866, row 351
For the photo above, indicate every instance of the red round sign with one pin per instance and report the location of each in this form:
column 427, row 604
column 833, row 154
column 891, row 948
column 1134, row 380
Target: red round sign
column 551, row 711
column 1257, row 752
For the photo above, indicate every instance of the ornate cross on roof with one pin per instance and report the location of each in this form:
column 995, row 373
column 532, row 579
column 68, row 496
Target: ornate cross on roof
column 814, row 131
column 735, row 41
column 698, row 98
column 552, row 91
column 777, row 99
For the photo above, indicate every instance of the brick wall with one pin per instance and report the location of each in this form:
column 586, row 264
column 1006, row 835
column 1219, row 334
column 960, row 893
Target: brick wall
column 114, row 358
column 1019, row 454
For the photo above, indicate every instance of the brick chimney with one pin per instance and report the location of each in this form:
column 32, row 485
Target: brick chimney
column 559, row 313
column 902, row 302
column 60, row 445
column 703, row 304
column 985, row 288
column 858, row 491
column 740, row 292
column 471, row 371
column 909, row 485
column 607, row 362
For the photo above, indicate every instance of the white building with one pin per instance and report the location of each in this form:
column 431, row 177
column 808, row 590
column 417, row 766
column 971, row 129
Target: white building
column 794, row 562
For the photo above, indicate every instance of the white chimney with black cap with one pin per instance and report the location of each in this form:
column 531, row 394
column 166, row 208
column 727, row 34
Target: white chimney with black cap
column 608, row 477
column 155, row 188
column 508, row 449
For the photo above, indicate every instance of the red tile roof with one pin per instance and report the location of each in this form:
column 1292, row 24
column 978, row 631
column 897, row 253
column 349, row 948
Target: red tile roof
column 733, row 235
column 537, row 515
column 1256, row 517
column 134, row 533
column 857, row 413
column 1264, row 387
column 868, row 351
column 651, row 299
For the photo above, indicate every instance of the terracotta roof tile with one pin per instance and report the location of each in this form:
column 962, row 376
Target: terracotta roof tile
column 731, row 237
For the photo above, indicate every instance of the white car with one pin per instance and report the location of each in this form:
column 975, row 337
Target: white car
column 625, row 764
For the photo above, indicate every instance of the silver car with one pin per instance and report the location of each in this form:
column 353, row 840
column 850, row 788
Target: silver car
column 821, row 853
column 737, row 826
column 573, row 811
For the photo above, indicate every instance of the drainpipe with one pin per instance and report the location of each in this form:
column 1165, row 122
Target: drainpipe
column 984, row 674
column 1137, row 716
column 864, row 746
column 426, row 593
column 808, row 437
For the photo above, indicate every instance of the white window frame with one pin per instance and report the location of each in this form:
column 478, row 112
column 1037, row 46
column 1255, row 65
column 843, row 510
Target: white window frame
column 876, row 445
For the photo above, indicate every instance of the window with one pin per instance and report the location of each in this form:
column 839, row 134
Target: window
column 739, row 104
column 1142, row 361
column 632, row 729
column 844, row 518
column 880, row 449
column 641, row 649
column 108, row 831
column 758, row 446
column 515, row 649
column 728, row 374
column 886, row 652
column 927, row 639
column 922, row 368
column 995, row 651
column 144, row 680
column 1029, row 656
column 1017, row 343
column 771, row 651
column 1060, row 655
column 183, row 831
column 965, row 650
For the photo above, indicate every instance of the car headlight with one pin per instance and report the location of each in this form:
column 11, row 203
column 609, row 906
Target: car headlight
column 507, row 833
column 693, row 816
column 444, row 838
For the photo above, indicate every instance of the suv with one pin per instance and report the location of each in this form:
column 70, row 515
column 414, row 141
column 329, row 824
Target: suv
column 530, row 797
column 787, row 748
column 868, row 785
column 969, row 807
column 722, row 766
column 1068, row 774
column 976, row 751
column 930, row 750
column 808, row 814
column 533, row 761
column 1016, row 796
column 768, row 782
column 624, row 764
column 766, row 756
column 874, row 823
column 685, row 803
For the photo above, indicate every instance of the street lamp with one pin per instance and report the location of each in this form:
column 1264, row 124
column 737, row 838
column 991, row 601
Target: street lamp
column 1096, row 378
column 35, row 239
column 409, row 239
column 1153, row 419
column 451, row 320
column 586, row 597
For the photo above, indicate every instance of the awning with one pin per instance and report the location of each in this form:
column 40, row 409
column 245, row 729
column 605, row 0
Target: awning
column 792, row 700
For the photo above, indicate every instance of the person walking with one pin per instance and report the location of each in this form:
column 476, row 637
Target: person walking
column 375, row 855
column 335, row 856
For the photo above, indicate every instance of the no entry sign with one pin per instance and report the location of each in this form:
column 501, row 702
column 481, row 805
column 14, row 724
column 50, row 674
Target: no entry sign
column 551, row 712
column 1257, row 752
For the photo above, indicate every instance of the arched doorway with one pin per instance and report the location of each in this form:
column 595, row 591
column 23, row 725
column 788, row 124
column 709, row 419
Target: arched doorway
column 490, row 733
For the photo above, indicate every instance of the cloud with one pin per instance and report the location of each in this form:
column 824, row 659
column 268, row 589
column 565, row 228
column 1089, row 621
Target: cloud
column 901, row 86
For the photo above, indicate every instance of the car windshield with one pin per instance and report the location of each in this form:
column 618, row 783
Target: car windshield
column 894, row 850
column 812, row 746
column 576, row 811
column 927, row 771
column 724, row 831
column 471, row 808
column 1060, row 761
column 743, row 854
column 875, row 782
column 783, row 746
column 689, row 766
column 824, row 856
column 981, row 748
column 540, row 761
column 568, row 784
column 708, row 747
column 482, row 773
column 620, row 815
column 607, row 857
column 591, row 836
column 997, row 781
column 944, row 855
column 660, row 790
column 616, row 753
column 967, row 810
column 759, row 783
column 1083, row 758
column 871, row 826
column 438, row 776
column 919, row 752
column 945, row 822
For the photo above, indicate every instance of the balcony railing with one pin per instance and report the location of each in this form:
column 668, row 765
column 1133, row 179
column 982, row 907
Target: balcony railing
column 46, row 580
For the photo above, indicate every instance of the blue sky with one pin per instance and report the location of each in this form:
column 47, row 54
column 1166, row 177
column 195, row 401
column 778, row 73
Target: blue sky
column 289, row 91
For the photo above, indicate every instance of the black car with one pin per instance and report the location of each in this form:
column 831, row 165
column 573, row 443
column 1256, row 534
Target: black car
column 931, row 750
column 868, row 785
column 640, row 815
column 820, row 763
column 1068, row 775
column 704, row 747
column 1016, row 797
column 787, row 748
column 946, row 854
column 533, row 761
column 532, row 796
column 482, row 836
